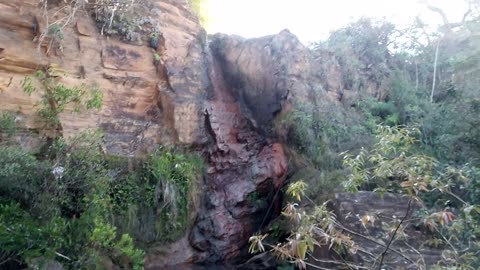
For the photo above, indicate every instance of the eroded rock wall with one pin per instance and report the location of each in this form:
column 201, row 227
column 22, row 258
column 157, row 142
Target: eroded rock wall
column 145, row 103
column 267, row 73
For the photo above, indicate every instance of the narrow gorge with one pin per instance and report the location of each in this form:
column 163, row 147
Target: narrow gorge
column 260, row 113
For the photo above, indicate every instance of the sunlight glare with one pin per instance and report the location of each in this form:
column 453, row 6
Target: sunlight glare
column 313, row 20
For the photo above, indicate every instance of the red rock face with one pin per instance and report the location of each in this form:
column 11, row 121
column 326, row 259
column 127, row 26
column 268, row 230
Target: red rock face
column 241, row 187
column 244, row 176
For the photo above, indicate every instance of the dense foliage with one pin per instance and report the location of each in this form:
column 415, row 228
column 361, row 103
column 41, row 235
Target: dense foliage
column 448, row 195
column 77, row 206
column 371, row 53
column 417, row 135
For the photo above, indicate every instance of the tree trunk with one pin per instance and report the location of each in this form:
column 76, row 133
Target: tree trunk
column 416, row 76
column 435, row 71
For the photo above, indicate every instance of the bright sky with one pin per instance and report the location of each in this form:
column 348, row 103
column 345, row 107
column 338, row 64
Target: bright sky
column 312, row 20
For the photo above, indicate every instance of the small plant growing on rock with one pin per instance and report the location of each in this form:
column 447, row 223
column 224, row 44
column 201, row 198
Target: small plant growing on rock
column 156, row 58
column 105, row 11
column 56, row 97
column 154, row 40
column 55, row 33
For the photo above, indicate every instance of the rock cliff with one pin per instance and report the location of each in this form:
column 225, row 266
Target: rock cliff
column 170, row 92
column 219, row 98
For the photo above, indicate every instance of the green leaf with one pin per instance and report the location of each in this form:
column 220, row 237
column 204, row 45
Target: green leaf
column 302, row 249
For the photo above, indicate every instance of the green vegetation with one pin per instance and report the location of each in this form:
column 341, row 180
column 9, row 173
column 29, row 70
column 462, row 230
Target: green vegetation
column 411, row 128
column 127, row 20
column 56, row 97
column 448, row 193
column 176, row 176
column 450, row 212
column 156, row 58
column 316, row 140
column 307, row 232
column 406, row 123
column 154, row 41
column 369, row 55
column 56, row 36
column 7, row 123
column 112, row 17
column 154, row 202
column 52, row 209
column 197, row 6
column 122, row 25
column 81, row 208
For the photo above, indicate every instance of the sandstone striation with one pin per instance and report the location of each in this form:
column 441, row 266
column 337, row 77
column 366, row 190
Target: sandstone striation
column 145, row 103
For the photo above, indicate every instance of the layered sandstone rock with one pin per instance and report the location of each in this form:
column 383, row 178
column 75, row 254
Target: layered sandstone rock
column 145, row 103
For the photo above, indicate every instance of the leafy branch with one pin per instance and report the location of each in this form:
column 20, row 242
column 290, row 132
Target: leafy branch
column 56, row 97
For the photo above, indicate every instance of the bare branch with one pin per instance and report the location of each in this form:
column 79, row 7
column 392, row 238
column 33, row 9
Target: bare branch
column 449, row 26
column 435, row 70
column 439, row 11
column 343, row 262
column 376, row 242
column 394, row 234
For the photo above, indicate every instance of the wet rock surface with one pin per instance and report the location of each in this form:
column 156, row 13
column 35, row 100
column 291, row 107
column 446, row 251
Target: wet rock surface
column 265, row 73
column 241, row 187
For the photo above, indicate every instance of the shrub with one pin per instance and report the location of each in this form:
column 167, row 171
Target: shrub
column 54, row 208
column 104, row 10
column 393, row 166
column 152, row 202
column 23, row 237
column 104, row 237
column 308, row 231
column 7, row 123
column 379, row 112
column 176, row 176
column 22, row 176
column 390, row 166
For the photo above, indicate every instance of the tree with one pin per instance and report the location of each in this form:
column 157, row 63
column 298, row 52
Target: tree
column 391, row 166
